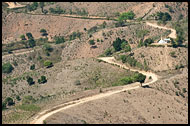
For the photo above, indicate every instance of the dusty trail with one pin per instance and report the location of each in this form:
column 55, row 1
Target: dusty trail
column 43, row 115
column 14, row 5
column 171, row 35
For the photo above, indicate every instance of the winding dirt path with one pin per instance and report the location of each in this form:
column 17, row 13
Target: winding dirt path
column 14, row 5
column 46, row 113
column 171, row 35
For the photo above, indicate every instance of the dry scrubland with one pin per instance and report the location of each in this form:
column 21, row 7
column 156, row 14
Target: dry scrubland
column 77, row 73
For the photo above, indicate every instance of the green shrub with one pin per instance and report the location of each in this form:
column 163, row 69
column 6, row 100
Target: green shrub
column 48, row 64
column 3, row 106
column 136, row 77
column 29, row 80
column 29, row 107
column 172, row 54
column 32, row 67
column 22, row 37
column 91, row 42
column 43, row 32
column 108, row 52
column 28, row 100
column 59, row 39
column 29, row 35
column 42, row 80
column 7, row 68
column 126, row 15
column 57, row 10
column 31, row 43
column 47, row 47
column 117, row 44
column 9, row 101
column 18, row 98
column 77, row 82
column 123, row 58
column 75, row 35
column 184, row 90
column 15, row 63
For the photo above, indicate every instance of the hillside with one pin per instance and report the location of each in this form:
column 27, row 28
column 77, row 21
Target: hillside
column 53, row 57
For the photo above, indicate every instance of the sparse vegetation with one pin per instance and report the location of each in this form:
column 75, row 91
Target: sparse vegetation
column 48, row 64
column 163, row 17
column 91, row 42
column 7, row 68
column 56, row 10
column 126, row 16
column 29, row 80
column 172, row 54
column 32, row 67
column 77, row 82
column 136, row 77
column 59, row 39
column 28, row 100
column 42, row 80
column 22, row 37
column 75, row 35
column 43, row 32
column 9, row 101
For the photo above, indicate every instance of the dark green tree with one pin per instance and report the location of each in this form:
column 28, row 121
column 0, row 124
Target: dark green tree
column 42, row 80
column 29, row 80
column 9, row 101
column 31, row 43
column 42, row 6
column 43, row 32
column 117, row 44
column 32, row 67
column 59, row 39
column 91, row 42
column 29, row 35
column 7, row 68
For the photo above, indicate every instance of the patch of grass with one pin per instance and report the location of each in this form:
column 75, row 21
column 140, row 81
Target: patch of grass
column 29, row 107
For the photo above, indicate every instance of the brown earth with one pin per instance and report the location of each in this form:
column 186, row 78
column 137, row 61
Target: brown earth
column 158, row 104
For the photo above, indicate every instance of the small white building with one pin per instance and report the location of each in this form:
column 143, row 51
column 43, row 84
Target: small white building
column 163, row 41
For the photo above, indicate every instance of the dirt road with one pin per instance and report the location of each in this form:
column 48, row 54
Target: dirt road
column 14, row 5
column 171, row 35
column 43, row 115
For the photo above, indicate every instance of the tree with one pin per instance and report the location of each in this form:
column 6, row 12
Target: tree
column 126, row 15
column 18, row 98
column 140, row 77
column 42, row 6
column 123, row 58
column 22, row 37
column 148, row 42
column 163, row 16
column 9, row 101
column 48, row 64
column 42, row 80
column 43, row 32
column 29, row 35
column 32, row 67
column 29, row 80
column 3, row 105
column 59, row 39
column 117, row 44
column 47, row 47
column 7, row 68
column 140, row 43
column 108, row 52
column 45, row 11
column 31, row 43
column 91, row 42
